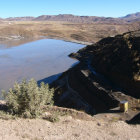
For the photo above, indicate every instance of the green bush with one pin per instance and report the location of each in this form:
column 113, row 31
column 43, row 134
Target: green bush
column 27, row 98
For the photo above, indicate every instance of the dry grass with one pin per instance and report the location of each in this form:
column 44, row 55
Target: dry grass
column 63, row 30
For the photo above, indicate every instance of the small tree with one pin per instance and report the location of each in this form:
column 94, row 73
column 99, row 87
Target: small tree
column 27, row 98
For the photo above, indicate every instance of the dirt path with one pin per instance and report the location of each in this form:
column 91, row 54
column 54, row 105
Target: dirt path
column 67, row 129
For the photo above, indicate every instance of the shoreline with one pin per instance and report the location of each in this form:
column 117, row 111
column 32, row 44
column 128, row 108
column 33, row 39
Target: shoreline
column 44, row 38
column 6, row 39
column 67, row 40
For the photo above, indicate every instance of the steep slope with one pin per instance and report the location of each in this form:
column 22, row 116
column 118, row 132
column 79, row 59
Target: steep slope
column 108, row 72
column 118, row 59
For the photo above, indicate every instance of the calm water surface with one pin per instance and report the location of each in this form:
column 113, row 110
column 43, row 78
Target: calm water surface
column 39, row 59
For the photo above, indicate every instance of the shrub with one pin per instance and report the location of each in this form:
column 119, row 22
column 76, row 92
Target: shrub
column 27, row 98
column 52, row 118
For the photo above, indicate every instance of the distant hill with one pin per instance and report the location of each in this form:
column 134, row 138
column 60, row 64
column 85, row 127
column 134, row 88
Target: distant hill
column 73, row 18
column 132, row 17
column 1, row 19
column 28, row 18
column 80, row 19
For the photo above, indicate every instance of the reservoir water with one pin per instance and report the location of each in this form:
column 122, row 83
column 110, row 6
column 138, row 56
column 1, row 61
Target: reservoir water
column 41, row 59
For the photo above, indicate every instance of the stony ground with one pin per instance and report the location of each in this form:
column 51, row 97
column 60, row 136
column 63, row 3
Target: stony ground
column 68, row 128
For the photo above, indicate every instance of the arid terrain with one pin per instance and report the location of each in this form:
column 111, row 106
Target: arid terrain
column 83, row 29
column 108, row 72
column 72, row 125
column 85, row 33
column 67, row 128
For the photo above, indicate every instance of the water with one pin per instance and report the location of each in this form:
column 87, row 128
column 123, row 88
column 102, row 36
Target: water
column 41, row 59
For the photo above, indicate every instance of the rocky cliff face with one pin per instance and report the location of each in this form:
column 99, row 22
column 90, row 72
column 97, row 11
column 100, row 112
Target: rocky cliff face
column 118, row 59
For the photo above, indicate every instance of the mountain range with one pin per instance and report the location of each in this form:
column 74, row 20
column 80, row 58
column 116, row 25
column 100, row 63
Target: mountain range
column 80, row 19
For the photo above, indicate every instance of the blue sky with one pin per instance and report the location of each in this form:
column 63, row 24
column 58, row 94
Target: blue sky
column 107, row 8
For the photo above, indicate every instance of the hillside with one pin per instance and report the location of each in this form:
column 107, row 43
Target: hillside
column 71, row 125
column 108, row 72
column 118, row 59
column 77, row 19
column 67, row 128
column 132, row 17
column 28, row 18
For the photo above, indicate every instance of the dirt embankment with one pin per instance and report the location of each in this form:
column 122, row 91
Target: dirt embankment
column 95, row 80
column 118, row 59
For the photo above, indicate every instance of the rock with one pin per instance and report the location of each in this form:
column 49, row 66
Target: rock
column 99, row 124
column 46, row 114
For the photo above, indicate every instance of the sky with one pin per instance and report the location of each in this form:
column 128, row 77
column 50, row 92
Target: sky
column 107, row 8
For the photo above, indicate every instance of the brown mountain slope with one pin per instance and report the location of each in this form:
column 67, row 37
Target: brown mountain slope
column 79, row 19
column 132, row 17
column 27, row 18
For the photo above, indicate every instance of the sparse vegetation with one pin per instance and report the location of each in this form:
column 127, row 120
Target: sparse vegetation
column 81, row 32
column 53, row 118
column 6, row 116
column 27, row 98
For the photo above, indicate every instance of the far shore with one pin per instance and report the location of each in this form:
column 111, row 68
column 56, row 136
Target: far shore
column 22, row 40
column 69, row 40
